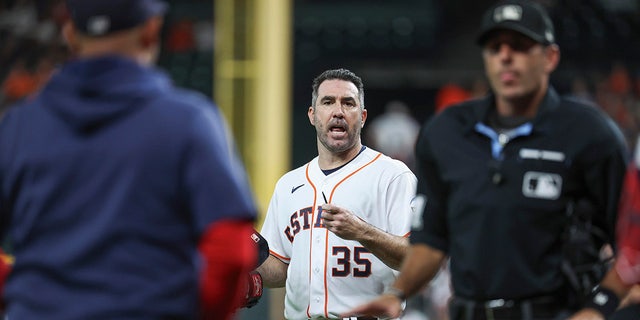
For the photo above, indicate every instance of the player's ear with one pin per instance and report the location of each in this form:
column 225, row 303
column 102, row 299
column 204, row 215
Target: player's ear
column 311, row 113
column 364, row 117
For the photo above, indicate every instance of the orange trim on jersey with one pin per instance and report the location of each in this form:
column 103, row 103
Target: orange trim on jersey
column 351, row 174
column 326, row 259
column 407, row 234
column 326, row 246
column 313, row 219
column 283, row 258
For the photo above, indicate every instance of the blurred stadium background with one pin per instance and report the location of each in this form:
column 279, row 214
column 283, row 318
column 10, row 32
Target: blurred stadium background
column 256, row 59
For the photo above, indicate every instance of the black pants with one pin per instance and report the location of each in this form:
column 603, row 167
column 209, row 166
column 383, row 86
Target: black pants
column 534, row 309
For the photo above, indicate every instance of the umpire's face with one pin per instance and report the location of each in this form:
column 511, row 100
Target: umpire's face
column 516, row 65
column 337, row 116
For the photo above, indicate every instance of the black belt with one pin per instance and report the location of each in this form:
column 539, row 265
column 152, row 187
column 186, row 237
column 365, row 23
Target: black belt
column 547, row 307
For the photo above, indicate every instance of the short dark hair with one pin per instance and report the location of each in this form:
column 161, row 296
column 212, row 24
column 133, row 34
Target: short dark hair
column 337, row 74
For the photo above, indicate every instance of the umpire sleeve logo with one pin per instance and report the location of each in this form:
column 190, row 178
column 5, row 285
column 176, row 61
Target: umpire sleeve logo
column 417, row 209
column 542, row 185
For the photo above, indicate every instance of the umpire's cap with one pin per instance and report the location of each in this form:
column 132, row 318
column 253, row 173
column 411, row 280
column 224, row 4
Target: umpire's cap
column 522, row 16
column 101, row 17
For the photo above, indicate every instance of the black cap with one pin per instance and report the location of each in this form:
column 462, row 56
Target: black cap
column 101, row 17
column 525, row 17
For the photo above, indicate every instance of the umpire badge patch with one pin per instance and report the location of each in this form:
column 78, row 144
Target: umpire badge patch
column 542, row 185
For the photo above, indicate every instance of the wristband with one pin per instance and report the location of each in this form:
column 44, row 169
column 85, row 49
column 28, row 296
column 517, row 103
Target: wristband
column 397, row 293
column 603, row 300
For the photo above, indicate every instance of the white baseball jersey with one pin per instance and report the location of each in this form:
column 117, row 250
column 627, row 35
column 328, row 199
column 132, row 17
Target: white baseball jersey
column 328, row 275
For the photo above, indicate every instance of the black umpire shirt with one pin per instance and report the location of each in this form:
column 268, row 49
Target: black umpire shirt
column 496, row 202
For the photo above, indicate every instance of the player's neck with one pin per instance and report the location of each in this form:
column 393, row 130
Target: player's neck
column 328, row 160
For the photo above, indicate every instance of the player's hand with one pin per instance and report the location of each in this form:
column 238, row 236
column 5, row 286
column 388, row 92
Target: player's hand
column 386, row 306
column 254, row 290
column 343, row 222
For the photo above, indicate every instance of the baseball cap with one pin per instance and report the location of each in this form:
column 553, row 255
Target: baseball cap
column 525, row 17
column 101, row 17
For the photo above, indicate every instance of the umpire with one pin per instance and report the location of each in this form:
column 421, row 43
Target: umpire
column 500, row 176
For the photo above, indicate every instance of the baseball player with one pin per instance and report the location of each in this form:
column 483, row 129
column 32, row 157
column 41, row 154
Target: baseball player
column 337, row 227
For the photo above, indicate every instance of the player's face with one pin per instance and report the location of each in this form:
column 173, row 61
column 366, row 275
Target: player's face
column 338, row 116
column 516, row 65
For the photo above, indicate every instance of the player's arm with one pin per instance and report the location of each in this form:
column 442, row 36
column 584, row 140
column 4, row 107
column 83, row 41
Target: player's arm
column 269, row 272
column 389, row 248
column 273, row 272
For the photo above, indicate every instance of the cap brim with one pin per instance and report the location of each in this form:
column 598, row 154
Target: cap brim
column 508, row 25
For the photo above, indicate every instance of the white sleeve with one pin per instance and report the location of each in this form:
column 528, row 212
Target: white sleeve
column 279, row 245
column 399, row 194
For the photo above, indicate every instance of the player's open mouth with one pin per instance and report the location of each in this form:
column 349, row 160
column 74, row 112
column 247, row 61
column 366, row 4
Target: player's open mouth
column 337, row 131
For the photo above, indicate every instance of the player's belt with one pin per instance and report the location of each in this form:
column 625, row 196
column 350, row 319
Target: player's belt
column 546, row 307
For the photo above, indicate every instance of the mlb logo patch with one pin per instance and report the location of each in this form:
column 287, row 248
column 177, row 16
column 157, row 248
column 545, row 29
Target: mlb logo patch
column 542, row 185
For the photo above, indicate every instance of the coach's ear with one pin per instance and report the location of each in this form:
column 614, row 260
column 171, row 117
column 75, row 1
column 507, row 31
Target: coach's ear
column 69, row 36
column 311, row 113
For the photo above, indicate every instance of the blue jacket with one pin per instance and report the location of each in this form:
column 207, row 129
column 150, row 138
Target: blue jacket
column 108, row 179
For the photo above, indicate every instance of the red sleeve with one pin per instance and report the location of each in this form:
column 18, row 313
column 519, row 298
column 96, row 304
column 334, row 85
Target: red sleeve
column 628, row 229
column 6, row 262
column 229, row 255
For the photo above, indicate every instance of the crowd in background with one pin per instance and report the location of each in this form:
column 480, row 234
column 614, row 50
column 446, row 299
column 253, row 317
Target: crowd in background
column 31, row 46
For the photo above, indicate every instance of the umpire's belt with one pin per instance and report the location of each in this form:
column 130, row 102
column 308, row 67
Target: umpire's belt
column 545, row 307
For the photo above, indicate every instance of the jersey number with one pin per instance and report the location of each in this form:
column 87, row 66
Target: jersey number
column 362, row 266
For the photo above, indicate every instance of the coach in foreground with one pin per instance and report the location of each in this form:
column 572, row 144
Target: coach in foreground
column 508, row 179
column 118, row 192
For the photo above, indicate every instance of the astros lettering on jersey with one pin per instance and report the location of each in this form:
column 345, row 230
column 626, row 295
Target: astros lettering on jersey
column 328, row 275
